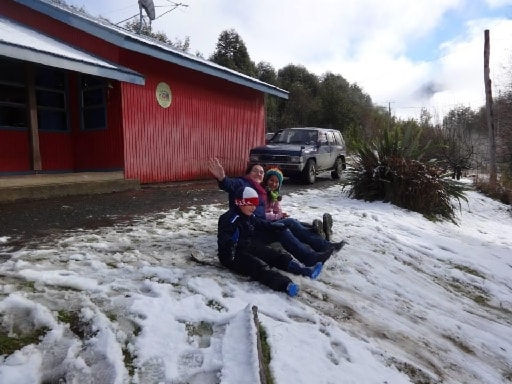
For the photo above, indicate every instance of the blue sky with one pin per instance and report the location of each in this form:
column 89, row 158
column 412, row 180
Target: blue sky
column 392, row 49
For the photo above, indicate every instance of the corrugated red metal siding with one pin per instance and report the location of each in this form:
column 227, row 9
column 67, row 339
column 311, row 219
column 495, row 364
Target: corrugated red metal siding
column 14, row 151
column 101, row 149
column 207, row 117
column 56, row 151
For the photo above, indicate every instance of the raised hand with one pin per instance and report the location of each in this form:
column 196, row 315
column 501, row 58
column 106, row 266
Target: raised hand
column 216, row 169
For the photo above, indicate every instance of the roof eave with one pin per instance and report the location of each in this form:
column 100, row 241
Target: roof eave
column 52, row 60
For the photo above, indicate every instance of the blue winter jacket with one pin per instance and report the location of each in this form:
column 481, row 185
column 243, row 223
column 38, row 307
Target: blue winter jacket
column 236, row 233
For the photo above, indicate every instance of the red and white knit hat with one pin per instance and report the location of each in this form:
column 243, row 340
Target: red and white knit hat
column 246, row 196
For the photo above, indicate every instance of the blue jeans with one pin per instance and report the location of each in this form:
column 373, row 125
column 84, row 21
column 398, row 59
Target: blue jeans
column 306, row 235
column 302, row 252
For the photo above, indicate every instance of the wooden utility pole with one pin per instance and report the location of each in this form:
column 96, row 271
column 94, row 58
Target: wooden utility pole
column 493, row 172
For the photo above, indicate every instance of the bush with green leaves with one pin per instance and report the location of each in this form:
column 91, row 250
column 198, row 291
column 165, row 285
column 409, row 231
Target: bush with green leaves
column 391, row 169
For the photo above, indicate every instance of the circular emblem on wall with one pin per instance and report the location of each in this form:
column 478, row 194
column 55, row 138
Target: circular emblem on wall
column 163, row 94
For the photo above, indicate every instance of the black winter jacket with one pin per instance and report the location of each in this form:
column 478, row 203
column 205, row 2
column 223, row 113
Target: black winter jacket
column 236, row 234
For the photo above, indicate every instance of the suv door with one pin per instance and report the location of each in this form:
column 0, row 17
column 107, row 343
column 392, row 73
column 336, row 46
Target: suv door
column 323, row 155
column 338, row 145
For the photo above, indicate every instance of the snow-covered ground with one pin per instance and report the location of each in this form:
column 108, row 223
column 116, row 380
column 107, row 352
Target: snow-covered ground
column 406, row 301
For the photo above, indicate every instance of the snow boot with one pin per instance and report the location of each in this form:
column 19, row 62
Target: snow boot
column 292, row 289
column 298, row 269
column 327, row 226
column 338, row 246
column 322, row 257
column 317, row 269
column 318, row 227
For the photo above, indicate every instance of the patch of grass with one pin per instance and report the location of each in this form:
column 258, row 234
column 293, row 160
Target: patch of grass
column 459, row 344
column 10, row 344
column 215, row 305
column 80, row 328
column 416, row 375
column 479, row 299
column 200, row 329
column 468, row 270
column 128, row 355
column 112, row 265
column 267, row 356
column 500, row 192
column 128, row 359
column 476, row 294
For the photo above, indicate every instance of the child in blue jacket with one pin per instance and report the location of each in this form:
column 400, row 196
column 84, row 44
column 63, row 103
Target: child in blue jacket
column 240, row 250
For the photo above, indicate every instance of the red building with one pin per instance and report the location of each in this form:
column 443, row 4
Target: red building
column 78, row 94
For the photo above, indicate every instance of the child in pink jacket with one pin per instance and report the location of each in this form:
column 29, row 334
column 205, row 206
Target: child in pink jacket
column 272, row 182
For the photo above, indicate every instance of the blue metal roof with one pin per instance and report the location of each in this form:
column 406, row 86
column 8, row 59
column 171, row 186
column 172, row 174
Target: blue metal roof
column 131, row 41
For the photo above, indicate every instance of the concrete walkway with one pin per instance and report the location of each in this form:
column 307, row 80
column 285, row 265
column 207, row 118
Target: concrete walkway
column 41, row 186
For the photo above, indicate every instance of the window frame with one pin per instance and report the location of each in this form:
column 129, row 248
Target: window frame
column 21, row 84
column 62, row 91
column 102, row 85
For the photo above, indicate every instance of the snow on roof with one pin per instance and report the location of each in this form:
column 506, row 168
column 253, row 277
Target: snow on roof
column 20, row 42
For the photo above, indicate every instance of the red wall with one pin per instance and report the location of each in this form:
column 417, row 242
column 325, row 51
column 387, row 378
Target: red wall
column 14, row 150
column 74, row 150
column 101, row 149
column 207, row 117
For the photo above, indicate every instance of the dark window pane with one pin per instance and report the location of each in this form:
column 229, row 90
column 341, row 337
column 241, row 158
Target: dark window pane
column 50, row 99
column 50, row 120
column 94, row 118
column 13, row 94
column 13, row 117
column 50, row 78
column 12, row 71
column 91, row 81
column 93, row 97
column 51, row 95
column 94, row 109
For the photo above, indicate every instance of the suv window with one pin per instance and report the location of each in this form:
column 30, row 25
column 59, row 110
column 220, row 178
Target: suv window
column 296, row 136
column 330, row 138
column 339, row 139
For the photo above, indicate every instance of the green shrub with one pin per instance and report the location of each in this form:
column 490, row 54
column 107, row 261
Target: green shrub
column 390, row 169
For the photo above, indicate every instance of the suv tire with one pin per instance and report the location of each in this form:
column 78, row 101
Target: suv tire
column 309, row 172
column 338, row 169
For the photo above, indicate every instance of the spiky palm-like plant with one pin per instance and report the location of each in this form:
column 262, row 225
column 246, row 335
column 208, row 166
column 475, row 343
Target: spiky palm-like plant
column 391, row 169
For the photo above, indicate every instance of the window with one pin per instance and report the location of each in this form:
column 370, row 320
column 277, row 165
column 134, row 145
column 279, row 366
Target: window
column 330, row 138
column 339, row 138
column 94, row 111
column 13, row 95
column 51, row 98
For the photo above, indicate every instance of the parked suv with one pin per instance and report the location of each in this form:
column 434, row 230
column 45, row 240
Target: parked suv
column 303, row 153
